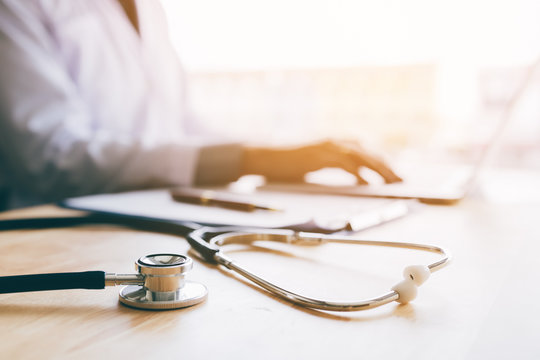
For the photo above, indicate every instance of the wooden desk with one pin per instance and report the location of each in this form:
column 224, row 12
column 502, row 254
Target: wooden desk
column 484, row 305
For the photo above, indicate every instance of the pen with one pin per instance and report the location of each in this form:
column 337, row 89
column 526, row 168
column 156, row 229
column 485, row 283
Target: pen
column 211, row 198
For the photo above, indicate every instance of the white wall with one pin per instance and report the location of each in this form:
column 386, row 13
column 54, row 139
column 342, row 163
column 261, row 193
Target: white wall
column 254, row 34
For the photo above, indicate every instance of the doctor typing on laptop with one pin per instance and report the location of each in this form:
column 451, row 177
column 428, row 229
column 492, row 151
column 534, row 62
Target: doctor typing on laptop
column 92, row 100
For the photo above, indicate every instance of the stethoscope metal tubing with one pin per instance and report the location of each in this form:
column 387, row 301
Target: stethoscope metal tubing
column 304, row 300
column 292, row 237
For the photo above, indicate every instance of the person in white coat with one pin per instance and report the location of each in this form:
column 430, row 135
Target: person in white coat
column 92, row 100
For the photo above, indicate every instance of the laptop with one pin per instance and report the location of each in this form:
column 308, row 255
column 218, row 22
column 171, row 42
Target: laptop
column 443, row 184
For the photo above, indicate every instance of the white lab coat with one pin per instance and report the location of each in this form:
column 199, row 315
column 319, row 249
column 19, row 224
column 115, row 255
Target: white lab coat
column 86, row 105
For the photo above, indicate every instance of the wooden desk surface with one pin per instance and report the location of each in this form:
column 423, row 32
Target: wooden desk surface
column 484, row 305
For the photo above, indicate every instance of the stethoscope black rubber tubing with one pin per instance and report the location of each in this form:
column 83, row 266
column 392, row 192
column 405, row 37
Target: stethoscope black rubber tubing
column 199, row 240
column 52, row 281
column 179, row 228
column 156, row 225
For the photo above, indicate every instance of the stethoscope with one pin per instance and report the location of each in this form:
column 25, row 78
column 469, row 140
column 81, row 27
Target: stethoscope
column 160, row 282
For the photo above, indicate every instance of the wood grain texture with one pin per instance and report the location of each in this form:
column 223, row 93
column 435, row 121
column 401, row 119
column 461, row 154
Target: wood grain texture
column 484, row 305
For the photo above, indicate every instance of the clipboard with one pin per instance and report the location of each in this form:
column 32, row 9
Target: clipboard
column 320, row 212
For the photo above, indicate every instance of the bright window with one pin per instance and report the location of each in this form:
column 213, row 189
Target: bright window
column 393, row 73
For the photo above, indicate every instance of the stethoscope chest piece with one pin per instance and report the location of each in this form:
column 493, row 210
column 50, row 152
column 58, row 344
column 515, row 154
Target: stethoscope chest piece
column 164, row 285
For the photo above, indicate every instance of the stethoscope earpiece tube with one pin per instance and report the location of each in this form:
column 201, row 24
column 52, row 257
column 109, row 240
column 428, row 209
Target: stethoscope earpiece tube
column 403, row 292
column 54, row 281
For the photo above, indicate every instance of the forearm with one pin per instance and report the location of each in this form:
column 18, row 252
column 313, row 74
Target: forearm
column 51, row 169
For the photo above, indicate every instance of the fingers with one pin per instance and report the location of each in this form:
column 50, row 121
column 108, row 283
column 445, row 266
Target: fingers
column 377, row 165
column 331, row 156
column 361, row 158
column 351, row 167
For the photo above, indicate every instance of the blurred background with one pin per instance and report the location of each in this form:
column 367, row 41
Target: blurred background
column 426, row 75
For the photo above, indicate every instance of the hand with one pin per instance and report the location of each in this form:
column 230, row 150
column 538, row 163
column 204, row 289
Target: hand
column 291, row 164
